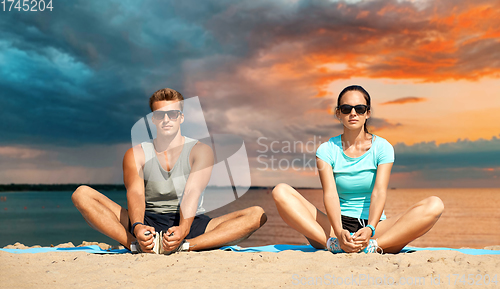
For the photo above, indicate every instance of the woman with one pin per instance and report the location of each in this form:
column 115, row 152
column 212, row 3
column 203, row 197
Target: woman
column 354, row 169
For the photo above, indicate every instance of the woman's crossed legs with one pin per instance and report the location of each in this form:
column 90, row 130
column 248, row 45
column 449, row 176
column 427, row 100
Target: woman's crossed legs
column 393, row 234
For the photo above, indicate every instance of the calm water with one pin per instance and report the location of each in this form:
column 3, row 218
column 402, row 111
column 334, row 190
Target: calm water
column 45, row 218
column 471, row 217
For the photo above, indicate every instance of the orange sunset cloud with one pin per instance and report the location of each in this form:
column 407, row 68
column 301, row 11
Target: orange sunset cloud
column 404, row 100
column 447, row 40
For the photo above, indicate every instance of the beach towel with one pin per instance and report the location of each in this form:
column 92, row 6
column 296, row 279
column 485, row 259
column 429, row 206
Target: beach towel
column 309, row 248
column 270, row 248
column 89, row 249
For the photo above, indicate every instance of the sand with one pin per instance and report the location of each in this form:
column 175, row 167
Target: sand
column 247, row 270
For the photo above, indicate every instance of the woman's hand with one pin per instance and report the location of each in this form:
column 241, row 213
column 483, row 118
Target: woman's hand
column 362, row 237
column 347, row 243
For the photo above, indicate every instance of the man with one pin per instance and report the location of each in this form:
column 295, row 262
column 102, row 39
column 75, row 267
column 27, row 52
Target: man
column 164, row 179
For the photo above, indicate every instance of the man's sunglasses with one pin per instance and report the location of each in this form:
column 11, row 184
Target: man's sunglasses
column 360, row 108
column 172, row 114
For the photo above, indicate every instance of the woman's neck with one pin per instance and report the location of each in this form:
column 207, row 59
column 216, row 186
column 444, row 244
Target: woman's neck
column 352, row 137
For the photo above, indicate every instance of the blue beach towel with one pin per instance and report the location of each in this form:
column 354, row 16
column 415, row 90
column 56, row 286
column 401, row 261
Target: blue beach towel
column 89, row 249
column 270, row 248
column 309, row 248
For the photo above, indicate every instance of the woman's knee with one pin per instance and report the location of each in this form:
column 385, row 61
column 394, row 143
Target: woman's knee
column 280, row 192
column 434, row 206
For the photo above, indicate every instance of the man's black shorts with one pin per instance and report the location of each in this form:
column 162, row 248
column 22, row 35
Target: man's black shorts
column 165, row 221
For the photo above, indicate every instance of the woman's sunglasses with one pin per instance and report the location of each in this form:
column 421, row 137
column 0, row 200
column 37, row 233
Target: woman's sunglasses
column 172, row 114
column 360, row 108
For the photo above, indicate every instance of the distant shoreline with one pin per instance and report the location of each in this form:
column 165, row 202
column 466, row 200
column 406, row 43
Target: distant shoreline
column 99, row 187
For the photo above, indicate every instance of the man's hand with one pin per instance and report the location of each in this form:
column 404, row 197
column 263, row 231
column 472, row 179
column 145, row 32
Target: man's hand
column 362, row 237
column 146, row 242
column 347, row 243
column 173, row 238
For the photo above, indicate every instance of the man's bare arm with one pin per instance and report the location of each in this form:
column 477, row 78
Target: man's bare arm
column 133, row 161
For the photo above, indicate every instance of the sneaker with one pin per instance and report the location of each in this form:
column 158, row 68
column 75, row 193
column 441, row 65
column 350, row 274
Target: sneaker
column 332, row 245
column 157, row 247
column 135, row 248
column 183, row 247
column 373, row 247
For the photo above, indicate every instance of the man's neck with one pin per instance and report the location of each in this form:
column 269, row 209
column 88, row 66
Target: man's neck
column 166, row 143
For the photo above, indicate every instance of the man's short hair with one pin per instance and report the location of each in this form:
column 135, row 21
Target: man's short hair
column 166, row 94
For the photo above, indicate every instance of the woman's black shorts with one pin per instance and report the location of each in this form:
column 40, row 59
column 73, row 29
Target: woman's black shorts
column 165, row 221
column 353, row 224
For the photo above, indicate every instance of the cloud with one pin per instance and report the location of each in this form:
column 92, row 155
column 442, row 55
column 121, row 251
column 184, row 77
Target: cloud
column 19, row 153
column 64, row 175
column 90, row 71
column 376, row 39
column 460, row 155
column 52, row 164
column 378, row 124
column 404, row 100
column 446, row 178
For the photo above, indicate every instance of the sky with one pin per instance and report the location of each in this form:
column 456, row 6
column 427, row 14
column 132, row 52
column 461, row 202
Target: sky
column 74, row 80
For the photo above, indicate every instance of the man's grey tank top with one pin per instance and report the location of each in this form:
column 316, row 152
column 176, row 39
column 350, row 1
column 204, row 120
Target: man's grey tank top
column 164, row 189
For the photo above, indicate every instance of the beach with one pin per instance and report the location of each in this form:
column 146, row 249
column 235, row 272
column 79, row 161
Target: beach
column 222, row 269
column 468, row 221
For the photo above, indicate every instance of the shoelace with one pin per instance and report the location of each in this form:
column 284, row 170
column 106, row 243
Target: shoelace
column 373, row 247
column 361, row 222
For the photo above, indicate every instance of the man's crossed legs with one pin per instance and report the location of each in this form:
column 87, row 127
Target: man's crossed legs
column 112, row 220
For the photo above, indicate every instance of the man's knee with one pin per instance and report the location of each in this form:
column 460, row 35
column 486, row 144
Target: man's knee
column 79, row 195
column 258, row 215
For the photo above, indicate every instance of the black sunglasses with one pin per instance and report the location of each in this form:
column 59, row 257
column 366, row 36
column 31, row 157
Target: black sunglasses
column 360, row 108
column 172, row 114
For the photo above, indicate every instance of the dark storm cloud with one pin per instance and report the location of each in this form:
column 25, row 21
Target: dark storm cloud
column 83, row 73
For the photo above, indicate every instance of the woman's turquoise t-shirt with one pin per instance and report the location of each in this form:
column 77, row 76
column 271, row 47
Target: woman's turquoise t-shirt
column 355, row 177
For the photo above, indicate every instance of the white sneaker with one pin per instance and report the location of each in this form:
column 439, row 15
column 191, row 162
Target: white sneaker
column 373, row 247
column 158, row 248
column 333, row 245
column 135, row 248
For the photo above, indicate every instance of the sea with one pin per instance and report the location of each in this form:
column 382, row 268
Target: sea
column 471, row 217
